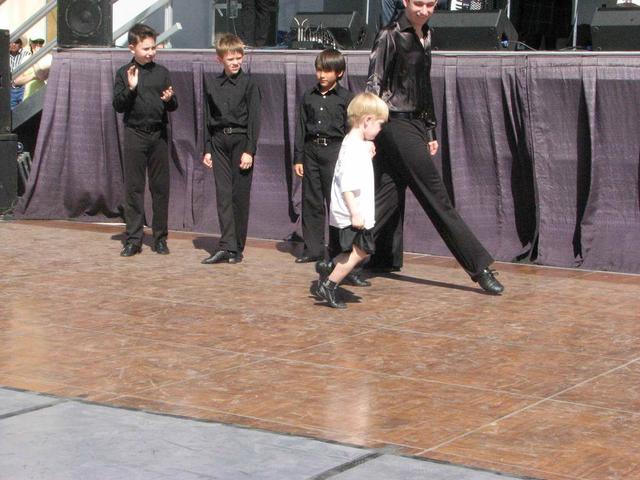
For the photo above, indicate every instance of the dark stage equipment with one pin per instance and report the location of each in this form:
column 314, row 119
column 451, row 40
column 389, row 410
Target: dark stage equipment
column 324, row 30
column 5, row 84
column 85, row 23
column 466, row 30
column 8, row 171
column 616, row 29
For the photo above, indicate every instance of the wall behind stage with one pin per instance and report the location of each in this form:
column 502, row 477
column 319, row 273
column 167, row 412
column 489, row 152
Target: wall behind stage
column 540, row 152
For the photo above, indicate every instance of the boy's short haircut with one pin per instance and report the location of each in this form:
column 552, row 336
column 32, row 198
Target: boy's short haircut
column 139, row 32
column 229, row 43
column 331, row 60
column 365, row 104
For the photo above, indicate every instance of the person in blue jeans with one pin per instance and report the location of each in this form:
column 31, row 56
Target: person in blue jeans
column 389, row 10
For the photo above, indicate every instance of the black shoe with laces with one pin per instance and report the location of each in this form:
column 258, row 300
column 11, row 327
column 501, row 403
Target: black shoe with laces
column 130, row 249
column 329, row 295
column 161, row 248
column 221, row 256
column 356, row 280
column 489, row 282
column 324, row 269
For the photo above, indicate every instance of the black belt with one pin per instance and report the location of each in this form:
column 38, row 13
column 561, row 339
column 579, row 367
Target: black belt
column 147, row 128
column 324, row 141
column 407, row 115
column 230, row 130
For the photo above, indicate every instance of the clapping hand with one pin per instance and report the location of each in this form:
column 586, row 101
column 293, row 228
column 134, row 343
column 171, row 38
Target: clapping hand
column 167, row 94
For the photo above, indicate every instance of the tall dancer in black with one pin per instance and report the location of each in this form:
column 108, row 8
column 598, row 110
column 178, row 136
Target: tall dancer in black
column 399, row 72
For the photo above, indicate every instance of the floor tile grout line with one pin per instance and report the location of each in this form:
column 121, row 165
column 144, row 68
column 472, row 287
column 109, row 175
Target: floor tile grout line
column 343, row 467
column 583, row 382
column 195, row 377
column 493, row 342
column 405, row 377
column 529, row 407
column 35, row 408
column 524, row 477
column 261, row 356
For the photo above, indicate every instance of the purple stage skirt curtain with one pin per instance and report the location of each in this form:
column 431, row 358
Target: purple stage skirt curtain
column 540, row 153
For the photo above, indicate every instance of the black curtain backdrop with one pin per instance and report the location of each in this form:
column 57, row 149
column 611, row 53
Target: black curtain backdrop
column 540, row 152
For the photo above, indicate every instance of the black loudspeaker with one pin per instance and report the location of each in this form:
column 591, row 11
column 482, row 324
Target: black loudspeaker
column 337, row 30
column 616, row 29
column 478, row 30
column 85, row 23
column 8, row 172
column 5, row 84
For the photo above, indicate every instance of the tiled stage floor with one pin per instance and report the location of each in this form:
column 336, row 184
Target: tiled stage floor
column 542, row 382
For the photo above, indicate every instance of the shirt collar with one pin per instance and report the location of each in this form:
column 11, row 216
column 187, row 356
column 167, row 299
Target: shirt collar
column 334, row 90
column 233, row 79
column 146, row 66
column 404, row 24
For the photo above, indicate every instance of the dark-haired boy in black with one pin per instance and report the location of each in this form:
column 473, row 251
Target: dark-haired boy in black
column 143, row 92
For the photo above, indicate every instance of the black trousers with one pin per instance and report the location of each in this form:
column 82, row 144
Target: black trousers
column 146, row 152
column 233, row 190
column 404, row 161
column 319, row 164
column 255, row 21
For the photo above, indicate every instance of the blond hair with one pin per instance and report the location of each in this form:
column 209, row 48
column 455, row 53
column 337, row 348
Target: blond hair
column 365, row 104
column 229, row 43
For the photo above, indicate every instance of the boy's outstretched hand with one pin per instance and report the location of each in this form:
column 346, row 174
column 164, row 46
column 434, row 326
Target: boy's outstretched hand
column 298, row 168
column 132, row 77
column 167, row 94
column 208, row 162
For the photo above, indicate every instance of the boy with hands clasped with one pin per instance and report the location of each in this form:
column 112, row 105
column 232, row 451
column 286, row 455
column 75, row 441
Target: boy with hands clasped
column 143, row 92
column 353, row 195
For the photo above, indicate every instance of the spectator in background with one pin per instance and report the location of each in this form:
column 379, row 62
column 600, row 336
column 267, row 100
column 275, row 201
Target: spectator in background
column 543, row 22
column 389, row 10
column 17, row 55
column 255, row 21
column 35, row 77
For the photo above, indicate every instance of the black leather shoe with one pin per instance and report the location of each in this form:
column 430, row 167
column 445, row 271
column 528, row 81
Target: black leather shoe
column 381, row 269
column 130, row 250
column 356, row 280
column 235, row 257
column 308, row 258
column 329, row 296
column 221, row 256
column 161, row 248
column 489, row 282
column 324, row 269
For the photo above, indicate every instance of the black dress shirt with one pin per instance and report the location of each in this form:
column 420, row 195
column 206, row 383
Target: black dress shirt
column 321, row 115
column 233, row 102
column 400, row 71
column 143, row 108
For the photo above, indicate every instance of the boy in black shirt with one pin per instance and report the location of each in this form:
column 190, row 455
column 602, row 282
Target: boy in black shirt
column 322, row 124
column 143, row 92
column 232, row 109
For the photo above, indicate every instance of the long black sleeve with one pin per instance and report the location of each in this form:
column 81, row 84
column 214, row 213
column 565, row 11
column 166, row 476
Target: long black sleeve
column 301, row 134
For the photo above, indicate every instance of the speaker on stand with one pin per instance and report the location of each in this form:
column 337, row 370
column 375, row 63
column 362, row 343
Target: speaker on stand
column 8, row 172
column 472, row 30
column 5, row 84
column 85, row 23
column 616, row 29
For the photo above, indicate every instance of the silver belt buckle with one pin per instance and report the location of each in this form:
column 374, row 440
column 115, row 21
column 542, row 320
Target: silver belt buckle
column 322, row 141
column 227, row 130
